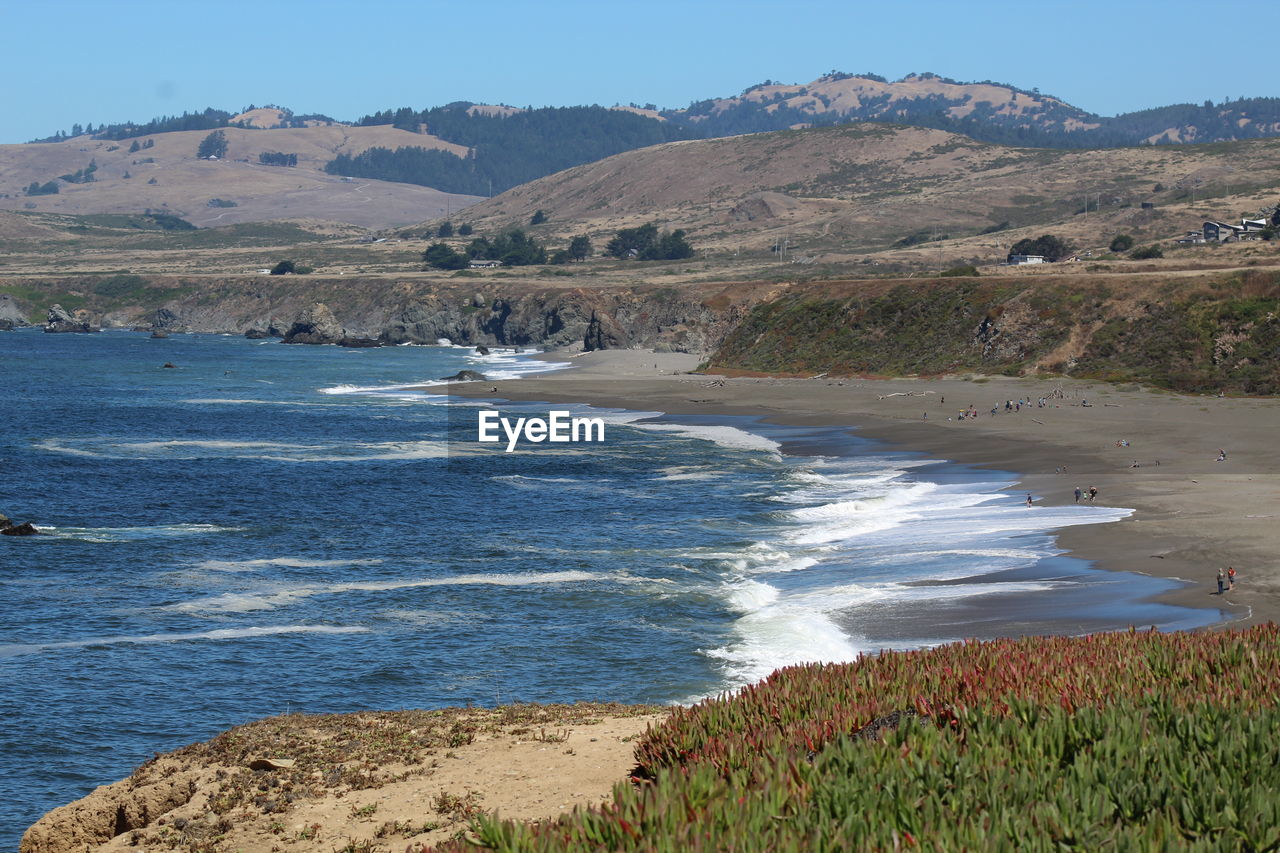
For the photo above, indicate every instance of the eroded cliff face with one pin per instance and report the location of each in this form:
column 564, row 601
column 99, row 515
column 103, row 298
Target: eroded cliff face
column 506, row 314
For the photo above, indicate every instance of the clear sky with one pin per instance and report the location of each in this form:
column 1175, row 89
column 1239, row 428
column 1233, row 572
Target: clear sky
column 82, row 61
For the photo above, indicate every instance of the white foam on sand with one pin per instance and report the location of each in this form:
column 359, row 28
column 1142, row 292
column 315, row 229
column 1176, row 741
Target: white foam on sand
column 218, row 634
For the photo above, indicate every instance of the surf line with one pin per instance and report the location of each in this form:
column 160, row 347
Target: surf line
column 558, row 427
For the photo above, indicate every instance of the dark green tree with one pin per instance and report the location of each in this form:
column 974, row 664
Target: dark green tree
column 538, row 217
column 283, row 267
column 646, row 243
column 1122, row 243
column 560, row 256
column 632, row 242
column 133, row 149
column 1046, row 245
column 442, row 257
column 465, row 229
column 514, row 249
column 213, row 145
column 1147, row 253
column 445, row 229
column 580, row 247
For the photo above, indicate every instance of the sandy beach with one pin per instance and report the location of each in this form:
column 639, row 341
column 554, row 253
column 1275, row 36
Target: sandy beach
column 1149, row 450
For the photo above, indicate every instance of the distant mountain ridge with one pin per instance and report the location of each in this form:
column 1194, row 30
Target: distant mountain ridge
column 483, row 150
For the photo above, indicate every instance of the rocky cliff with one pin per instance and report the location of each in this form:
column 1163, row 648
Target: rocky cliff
column 520, row 313
column 1207, row 332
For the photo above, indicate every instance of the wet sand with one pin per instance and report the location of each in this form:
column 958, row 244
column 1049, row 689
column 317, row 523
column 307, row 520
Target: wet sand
column 1193, row 514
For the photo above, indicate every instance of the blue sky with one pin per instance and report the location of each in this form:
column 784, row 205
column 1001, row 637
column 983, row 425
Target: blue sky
column 75, row 61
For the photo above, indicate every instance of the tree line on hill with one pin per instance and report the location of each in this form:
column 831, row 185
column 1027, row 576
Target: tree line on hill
column 505, row 151
column 516, row 248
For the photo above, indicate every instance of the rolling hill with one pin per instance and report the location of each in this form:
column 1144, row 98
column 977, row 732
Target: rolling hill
column 863, row 187
column 168, row 177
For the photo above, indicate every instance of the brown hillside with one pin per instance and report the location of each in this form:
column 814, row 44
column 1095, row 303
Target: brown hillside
column 857, row 188
column 184, row 184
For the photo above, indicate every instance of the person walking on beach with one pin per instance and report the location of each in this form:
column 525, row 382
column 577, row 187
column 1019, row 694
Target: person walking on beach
column 1093, row 493
column 1028, row 499
column 1231, row 577
column 1078, row 493
column 1220, row 581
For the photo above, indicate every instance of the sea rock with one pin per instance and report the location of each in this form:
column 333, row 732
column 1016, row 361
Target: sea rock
column 315, row 325
column 603, row 332
column 481, row 349
column 26, row 528
column 168, row 321
column 464, row 376
column 257, row 334
column 5, row 521
column 59, row 320
column 360, row 343
column 6, row 325
column 159, row 334
column 170, row 365
column 11, row 312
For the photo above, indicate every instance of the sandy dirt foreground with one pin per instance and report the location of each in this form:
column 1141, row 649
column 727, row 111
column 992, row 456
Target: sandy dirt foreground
column 425, row 796
column 1193, row 514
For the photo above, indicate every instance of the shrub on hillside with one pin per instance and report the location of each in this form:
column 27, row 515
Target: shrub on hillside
column 964, row 271
column 1147, row 253
column 1122, row 243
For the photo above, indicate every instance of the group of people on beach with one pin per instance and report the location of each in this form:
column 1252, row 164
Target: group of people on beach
column 1092, row 493
column 1228, row 577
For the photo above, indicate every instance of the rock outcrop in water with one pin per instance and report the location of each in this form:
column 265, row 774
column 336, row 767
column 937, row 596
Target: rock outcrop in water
column 60, row 320
column 464, row 376
column 9, row 528
column 315, row 325
column 11, row 314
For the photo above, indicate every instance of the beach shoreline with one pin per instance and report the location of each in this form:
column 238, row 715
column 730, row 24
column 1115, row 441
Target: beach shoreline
column 1192, row 513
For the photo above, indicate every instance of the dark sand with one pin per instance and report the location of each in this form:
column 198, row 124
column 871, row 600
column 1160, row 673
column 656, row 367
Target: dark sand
column 1192, row 515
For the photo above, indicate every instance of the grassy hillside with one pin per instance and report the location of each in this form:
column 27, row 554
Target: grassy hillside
column 839, row 193
column 1113, row 741
column 169, row 177
column 1194, row 335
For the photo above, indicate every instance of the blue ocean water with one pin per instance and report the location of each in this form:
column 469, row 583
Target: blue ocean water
column 269, row 528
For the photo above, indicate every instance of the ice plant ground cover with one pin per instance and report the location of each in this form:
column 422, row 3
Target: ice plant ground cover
column 1125, row 740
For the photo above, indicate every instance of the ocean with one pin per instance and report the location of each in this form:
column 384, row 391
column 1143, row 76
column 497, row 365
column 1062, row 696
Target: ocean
column 267, row 529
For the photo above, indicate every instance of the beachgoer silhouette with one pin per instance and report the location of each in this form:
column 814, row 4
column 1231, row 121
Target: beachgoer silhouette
column 1220, row 579
column 1028, row 499
column 1231, row 577
column 1078, row 494
column 1093, row 493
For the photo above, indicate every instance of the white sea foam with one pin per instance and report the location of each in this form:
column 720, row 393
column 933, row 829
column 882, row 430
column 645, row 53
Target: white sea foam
column 277, row 562
column 268, row 450
column 725, row 436
column 284, row 595
column 401, row 391
column 777, row 631
column 13, row 650
column 130, row 534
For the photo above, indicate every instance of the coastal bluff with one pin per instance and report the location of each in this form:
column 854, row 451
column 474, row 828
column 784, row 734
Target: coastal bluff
column 1215, row 331
column 320, row 782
